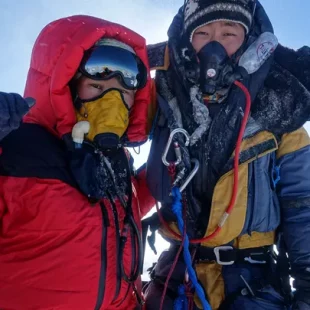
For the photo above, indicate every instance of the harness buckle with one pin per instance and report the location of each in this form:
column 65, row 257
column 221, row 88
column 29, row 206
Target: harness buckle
column 217, row 254
column 254, row 261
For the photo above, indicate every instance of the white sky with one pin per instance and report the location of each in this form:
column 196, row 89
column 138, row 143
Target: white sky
column 21, row 22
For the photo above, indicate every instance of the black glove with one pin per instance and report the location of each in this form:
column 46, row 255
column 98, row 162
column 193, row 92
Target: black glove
column 300, row 305
column 296, row 62
column 12, row 109
column 302, row 286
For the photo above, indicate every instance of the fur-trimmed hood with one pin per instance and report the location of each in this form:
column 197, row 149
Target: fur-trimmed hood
column 56, row 56
column 282, row 104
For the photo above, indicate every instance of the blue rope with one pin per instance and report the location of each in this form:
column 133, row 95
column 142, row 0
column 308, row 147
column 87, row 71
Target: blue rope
column 177, row 210
column 181, row 302
column 276, row 177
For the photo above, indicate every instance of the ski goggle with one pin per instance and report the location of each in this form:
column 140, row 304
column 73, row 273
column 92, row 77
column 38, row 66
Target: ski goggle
column 105, row 62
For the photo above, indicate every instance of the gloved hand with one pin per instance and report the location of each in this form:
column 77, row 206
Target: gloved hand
column 301, row 300
column 12, row 109
column 300, row 305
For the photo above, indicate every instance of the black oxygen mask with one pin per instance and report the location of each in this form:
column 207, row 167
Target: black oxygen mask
column 218, row 70
column 215, row 67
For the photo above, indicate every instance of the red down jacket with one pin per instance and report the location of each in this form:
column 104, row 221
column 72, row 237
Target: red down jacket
column 57, row 250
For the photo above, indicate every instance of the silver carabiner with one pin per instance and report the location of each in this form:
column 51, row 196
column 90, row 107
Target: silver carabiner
column 176, row 147
column 191, row 175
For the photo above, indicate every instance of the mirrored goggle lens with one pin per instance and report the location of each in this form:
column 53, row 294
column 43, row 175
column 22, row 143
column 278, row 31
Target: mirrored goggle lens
column 105, row 62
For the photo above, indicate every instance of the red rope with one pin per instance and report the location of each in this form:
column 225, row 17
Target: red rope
column 190, row 296
column 172, row 171
column 174, row 262
column 171, row 271
column 170, row 274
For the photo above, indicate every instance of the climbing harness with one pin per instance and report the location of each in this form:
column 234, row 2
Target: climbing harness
column 181, row 302
column 230, row 207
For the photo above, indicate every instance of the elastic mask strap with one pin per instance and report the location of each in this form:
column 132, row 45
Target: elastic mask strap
column 102, row 95
column 247, row 40
column 79, row 103
column 235, row 57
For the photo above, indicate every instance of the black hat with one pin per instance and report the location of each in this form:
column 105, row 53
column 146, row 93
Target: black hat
column 198, row 13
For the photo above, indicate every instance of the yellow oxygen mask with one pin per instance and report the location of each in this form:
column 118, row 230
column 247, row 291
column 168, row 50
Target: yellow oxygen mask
column 103, row 119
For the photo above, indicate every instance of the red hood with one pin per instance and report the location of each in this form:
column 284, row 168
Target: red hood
column 55, row 59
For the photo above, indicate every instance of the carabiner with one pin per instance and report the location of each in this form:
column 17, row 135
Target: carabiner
column 191, row 175
column 176, row 147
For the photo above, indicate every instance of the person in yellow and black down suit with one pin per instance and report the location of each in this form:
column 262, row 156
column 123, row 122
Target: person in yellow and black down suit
column 241, row 105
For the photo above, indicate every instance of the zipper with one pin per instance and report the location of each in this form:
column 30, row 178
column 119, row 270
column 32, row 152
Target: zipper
column 251, row 173
column 103, row 267
column 134, row 257
column 117, row 238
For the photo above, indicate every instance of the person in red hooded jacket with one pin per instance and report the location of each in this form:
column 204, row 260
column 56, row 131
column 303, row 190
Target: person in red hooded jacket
column 70, row 202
